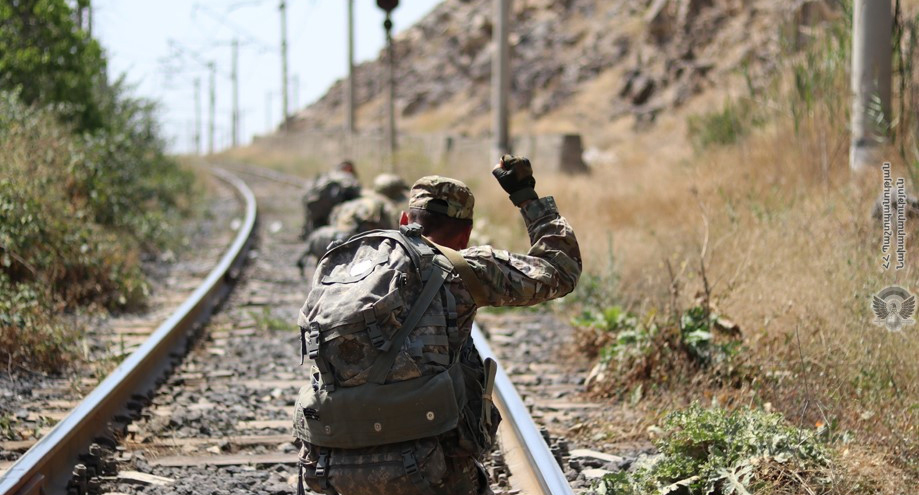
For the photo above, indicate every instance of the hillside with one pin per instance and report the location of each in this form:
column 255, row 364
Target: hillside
column 577, row 65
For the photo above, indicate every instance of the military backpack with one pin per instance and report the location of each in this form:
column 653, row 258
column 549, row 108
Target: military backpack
column 323, row 194
column 391, row 376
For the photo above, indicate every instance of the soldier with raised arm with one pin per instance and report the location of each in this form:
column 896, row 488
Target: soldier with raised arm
column 377, row 417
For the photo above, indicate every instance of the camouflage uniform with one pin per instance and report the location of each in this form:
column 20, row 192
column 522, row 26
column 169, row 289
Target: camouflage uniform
column 550, row 269
column 379, row 209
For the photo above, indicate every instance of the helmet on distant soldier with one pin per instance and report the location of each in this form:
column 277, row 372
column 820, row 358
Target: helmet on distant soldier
column 392, row 186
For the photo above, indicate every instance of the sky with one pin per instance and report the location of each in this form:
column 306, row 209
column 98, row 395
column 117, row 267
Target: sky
column 141, row 39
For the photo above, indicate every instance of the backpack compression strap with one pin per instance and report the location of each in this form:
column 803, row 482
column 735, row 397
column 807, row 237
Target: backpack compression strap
column 382, row 365
column 470, row 280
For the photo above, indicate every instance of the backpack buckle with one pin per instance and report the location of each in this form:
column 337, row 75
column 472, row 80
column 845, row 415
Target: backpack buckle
column 322, row 469
column 313, row 345
column 373, row 330
column 411, row 230
column 409, row 462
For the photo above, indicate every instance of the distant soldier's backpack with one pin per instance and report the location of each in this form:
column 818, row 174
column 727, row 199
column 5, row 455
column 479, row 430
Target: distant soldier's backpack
column 323, row 194
column 392, row 373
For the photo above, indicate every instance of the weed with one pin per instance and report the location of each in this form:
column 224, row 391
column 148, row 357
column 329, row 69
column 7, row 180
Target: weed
column 714, row 451
column 632, row 350
column 265, row 321
column 725, row 126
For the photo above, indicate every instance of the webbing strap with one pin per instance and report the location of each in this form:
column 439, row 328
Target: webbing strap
column 384, row 362
column 470, row 280
column 491, row 369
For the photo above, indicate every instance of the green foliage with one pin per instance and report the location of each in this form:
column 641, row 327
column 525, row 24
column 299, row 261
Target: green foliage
column 76, row 212
column 725, row 126
column 45, row 57
column 714, row 451
column 643, row 349
column 265, row 321
column 30, row 332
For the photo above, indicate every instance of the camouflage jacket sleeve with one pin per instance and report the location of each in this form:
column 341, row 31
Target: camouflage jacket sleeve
column 550, row 269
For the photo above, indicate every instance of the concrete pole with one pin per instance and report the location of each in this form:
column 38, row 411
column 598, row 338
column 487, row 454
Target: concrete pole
column 500, row 78
column 212, row 110
column 89, row 13
column 295, row 79
column 872, row 28
column 349, row 86
column 197, row 115
column 235, row 117
column 391, row 99
column 268, row 112
column 284, row 103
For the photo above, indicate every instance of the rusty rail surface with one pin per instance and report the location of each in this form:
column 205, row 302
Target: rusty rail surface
column 46, row 467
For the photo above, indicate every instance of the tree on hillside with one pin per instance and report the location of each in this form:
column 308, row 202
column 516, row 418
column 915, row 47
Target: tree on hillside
column 47, row 59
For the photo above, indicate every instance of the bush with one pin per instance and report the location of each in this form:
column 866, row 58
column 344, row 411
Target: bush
column 713, row 451
column 76, row 213
column 632, row 350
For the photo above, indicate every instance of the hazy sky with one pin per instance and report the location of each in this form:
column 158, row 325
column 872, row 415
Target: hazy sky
column 136, row 35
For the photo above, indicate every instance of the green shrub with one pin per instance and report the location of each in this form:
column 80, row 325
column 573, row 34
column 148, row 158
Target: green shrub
column 725, row 126
column 76, row 214
column 714, row 451
column 31, row 334
column 651, row 349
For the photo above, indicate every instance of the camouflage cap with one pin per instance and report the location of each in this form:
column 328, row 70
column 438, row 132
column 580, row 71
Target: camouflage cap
column 390, row 185
column 442, row 195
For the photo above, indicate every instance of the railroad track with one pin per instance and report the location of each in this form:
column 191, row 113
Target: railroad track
column 220, row 421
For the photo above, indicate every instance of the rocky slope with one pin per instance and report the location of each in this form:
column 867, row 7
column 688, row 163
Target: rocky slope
column 577, row 64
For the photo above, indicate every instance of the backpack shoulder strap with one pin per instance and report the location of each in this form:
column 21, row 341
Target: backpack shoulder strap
column 384, row 362
column 475, row 286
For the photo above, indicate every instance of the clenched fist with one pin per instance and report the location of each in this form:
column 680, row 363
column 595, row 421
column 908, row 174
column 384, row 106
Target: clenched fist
column 515, row 174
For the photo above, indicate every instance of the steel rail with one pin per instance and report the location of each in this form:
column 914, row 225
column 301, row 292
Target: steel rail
column 540, row 463
column 46, row 468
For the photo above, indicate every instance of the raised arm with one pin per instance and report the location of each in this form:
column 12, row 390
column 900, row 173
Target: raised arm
column 551, row 267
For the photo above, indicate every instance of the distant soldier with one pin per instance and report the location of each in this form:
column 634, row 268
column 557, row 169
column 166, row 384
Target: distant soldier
column 327, row 191
column 378, row 209
column 398, row 400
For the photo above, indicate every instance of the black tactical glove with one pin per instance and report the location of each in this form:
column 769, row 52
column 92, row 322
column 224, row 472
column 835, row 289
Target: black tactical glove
column 516, row 177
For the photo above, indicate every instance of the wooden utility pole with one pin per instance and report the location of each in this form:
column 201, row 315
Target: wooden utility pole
column 212, row 110
column 872, row 28
column 197, row 115
column 284, row 102
column 500, row 78
column 235, row 75
column 349, row 86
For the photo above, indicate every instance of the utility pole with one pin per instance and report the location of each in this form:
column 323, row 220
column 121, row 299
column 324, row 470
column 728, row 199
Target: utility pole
column 284, row 108
column 500, row 78
column 349, row 86
column 235, row 116
column 212, row 111
column 872, row 27
column 89, row 14
column 268, row 111
column 197, row 115
column 389, row 6
column 296, row 92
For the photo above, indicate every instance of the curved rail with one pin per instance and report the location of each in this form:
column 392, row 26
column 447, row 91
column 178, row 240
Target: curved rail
column 47, row 466
column 524, row 446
